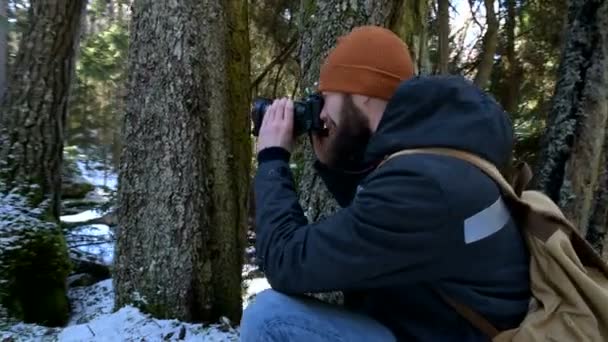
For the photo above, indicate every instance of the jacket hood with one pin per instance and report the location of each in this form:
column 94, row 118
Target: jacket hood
column 443, row 111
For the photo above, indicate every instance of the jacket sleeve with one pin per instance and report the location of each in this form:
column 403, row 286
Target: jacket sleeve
column 380, row 237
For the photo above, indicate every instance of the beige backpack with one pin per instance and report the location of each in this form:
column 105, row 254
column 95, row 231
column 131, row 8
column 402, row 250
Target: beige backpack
column 569, row 280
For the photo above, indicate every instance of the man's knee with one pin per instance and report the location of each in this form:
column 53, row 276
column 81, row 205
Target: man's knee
column 268, row 306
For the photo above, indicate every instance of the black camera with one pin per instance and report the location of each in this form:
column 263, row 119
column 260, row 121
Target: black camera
column 306, row 114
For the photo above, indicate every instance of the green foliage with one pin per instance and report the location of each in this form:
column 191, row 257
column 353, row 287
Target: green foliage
column 537, row 43
column 273, row 36
column 34, row 264
column 97, row 105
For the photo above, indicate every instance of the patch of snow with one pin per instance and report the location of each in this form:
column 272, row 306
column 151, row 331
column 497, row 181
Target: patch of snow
column 83, row 216
column 102, row 244
column 248, row 268
column 95, row 229
column 97, row 195
column 129, row 324
column 90, row 302
column 96, row 176
column 93, row 320
column 29, row 332
column 257, row 285
column 254, row 286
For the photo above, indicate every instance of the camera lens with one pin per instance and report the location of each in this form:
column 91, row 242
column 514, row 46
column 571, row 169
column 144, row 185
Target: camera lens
column 258, row 110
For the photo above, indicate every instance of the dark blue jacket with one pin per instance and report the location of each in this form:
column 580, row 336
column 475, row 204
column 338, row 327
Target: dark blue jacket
column 418, row 222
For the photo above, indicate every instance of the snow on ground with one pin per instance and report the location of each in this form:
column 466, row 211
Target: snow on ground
column 83, row 216
column 103, row 245
column 90, row 302
column 93, row 320
column 254, row 286
column 95, row 174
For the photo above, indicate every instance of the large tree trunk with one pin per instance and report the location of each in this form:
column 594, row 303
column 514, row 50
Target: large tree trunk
column 573, row 166
column 185, row 167
column 490, row 41
column 325, row 21
column 444, row 35
column 33, row 115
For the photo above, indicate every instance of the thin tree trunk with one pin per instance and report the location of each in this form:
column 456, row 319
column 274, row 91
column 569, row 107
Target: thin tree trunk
column 444, row 35
column 409, row 20
column 111, row 11
column 3, row 46
column 185, row 167
column 490, row 40
column 572, row 163
column 514, row 72
column 35, row 108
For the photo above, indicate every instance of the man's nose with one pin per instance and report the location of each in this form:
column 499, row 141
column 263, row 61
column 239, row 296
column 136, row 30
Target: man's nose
column 323, row 114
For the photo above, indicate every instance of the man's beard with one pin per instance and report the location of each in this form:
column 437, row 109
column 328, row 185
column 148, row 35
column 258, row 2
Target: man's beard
column 348, row 146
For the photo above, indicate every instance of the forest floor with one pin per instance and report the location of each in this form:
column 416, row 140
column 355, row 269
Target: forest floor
column 93, row 317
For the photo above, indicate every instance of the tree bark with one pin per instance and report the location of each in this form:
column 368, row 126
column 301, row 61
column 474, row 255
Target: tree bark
column 409, row 20
column 490, row 40
column 514, row 72
column 572, row 163
column 33, row 114
column 3, row 46
column 444, row 35
column 185, row 167
column 324, row 22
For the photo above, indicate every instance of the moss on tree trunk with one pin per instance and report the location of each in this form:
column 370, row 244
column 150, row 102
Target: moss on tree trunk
column 185, row 168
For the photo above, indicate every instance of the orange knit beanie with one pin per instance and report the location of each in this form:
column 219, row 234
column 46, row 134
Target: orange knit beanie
column 370, row 60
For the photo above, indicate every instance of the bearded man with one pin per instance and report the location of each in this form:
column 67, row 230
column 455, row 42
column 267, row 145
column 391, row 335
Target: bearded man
column 417, row 226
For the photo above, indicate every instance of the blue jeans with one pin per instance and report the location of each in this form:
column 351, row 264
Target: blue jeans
column 274, row 316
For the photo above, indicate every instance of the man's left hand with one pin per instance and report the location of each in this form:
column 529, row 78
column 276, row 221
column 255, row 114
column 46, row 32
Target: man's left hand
column 277, row 126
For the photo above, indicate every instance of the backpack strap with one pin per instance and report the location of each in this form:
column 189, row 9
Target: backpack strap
column 470, row 315
column 521, row 179
column 483, row 164
column 511, row 193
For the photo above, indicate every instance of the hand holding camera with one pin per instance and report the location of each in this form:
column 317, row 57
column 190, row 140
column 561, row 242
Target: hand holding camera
column 279, row 122
column 276, row 129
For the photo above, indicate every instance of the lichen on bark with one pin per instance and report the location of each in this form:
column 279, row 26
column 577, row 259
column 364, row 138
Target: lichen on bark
column 572, row 163
column 180, row 246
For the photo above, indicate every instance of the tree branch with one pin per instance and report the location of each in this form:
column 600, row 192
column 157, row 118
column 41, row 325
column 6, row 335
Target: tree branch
column 280, row 58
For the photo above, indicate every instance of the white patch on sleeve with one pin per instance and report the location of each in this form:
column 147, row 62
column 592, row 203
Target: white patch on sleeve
column 486, row 222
